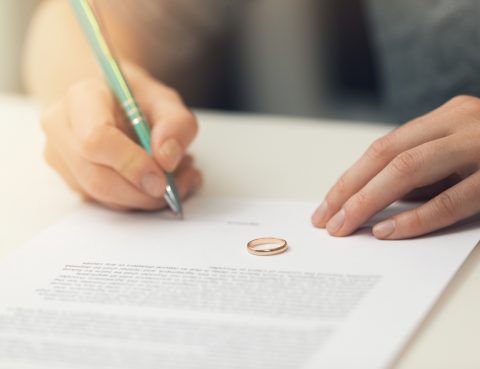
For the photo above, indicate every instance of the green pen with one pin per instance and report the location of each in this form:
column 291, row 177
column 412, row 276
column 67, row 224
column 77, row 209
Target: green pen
column 121, row 89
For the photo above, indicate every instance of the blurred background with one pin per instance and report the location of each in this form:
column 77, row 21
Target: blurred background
column 14, row 18
column 368, row 60
column 319, row 83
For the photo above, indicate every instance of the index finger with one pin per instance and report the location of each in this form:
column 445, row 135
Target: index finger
column 411, row 169
column 379, row 155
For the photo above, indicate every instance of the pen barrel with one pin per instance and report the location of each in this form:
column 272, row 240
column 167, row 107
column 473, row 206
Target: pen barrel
column 140, row 124
column 120, row 87
column 143, row 134
column 112, row 71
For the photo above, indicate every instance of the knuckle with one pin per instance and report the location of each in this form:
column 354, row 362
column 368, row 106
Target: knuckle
column 416, row 218
column 357, row 202
column 381, row 147
column 337, row 192
column 172, row 93
column 130, row 162
column 91, row 142
column 464, row 99
column 189, row 119
column 406, row 163
column 341, row 186
column 444, row 205
column 469, row 104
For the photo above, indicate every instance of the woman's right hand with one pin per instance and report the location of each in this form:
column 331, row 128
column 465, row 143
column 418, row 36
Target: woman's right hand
column 93, row 147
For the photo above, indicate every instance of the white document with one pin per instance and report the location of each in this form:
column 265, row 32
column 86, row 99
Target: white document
column 144, row 291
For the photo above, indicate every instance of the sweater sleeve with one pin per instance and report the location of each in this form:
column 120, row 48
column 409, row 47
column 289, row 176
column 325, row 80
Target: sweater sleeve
column 427, row 52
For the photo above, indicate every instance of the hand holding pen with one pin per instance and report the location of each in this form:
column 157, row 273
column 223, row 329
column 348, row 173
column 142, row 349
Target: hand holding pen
column 93, row 145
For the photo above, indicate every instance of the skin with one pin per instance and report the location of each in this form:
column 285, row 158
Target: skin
column 436, row 156
column 88, row 140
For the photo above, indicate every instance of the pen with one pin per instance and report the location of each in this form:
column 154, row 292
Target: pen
column 121, row 89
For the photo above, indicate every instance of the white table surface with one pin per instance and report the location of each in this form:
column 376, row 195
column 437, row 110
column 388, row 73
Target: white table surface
column 241, row 155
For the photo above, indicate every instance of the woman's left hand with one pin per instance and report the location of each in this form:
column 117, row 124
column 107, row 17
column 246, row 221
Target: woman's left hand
column 435, row 157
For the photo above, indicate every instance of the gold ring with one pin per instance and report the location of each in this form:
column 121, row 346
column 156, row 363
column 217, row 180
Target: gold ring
column 254, row 250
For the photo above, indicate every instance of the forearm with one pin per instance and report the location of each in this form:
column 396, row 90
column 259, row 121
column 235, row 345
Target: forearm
column 57, row 55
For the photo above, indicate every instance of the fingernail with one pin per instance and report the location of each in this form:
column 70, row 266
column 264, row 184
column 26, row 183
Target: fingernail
column 320, row 213
column 384, row 229
column 171, row 152
column 153, row 185
column 336, row 222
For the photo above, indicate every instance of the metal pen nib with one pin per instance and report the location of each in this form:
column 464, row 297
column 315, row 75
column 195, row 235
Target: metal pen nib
column 172, row 197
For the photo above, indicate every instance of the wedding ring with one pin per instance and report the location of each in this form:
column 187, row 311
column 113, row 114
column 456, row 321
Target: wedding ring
column 254, row 248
